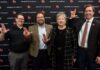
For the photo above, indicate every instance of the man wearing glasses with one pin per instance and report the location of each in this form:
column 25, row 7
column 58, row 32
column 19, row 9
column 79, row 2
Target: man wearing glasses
column 18, row 39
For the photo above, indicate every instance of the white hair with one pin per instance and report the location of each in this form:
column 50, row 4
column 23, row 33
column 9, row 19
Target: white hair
column 61, row 14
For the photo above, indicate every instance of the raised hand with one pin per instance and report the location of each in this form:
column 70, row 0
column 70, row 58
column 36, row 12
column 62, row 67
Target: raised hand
column 26, row 33
column 4, row 29
column 45, row 39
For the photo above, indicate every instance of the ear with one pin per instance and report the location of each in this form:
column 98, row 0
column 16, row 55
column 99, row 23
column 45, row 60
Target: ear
column 15, row 19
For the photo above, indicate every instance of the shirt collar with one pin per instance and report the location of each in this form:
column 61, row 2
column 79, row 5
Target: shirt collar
column 42, row 26
column 15, row 26
column 90, row 19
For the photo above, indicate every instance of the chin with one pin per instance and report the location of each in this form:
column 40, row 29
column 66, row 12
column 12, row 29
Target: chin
column 88, row 18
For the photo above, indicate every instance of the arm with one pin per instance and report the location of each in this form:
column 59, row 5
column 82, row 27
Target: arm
column 3, row 32
column 98, row 56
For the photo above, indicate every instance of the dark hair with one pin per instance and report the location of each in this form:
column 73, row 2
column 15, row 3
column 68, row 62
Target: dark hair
column 16, row 16
column 40, row 12
column 89, row 5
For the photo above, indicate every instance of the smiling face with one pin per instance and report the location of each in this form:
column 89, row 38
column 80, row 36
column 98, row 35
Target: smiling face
column 19, row 20
column 61, row 20
column 40, row 19
column 88, row 12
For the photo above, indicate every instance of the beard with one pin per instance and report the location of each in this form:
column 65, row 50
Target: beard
column 41, row 22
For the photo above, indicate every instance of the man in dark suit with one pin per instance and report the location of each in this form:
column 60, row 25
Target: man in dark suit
column 88, row 40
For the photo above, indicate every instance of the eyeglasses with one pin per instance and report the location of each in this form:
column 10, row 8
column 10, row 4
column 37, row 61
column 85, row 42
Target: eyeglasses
column 20, row 18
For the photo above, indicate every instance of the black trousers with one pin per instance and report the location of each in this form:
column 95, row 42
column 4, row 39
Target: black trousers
column 84, row 61
column 59, row 53
column 40, row 62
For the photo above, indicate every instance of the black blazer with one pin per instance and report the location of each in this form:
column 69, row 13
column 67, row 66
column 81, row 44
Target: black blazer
column 93, row 39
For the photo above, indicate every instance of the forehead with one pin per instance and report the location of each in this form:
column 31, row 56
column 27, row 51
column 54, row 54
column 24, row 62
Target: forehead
column 20, row 16
column 61, row 16
column 40, row 14
column 89, row 8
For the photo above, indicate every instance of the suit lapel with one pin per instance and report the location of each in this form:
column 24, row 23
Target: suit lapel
column 47, row 30
column 36, row 32
column 91, row 29
column 81, row 24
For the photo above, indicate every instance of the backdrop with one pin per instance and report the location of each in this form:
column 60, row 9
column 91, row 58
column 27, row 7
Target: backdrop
column 9, row 8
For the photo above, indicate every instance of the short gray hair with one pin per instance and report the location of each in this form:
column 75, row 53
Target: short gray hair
column 61, row 14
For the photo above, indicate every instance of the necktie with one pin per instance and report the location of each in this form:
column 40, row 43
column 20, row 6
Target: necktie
column 84, row 34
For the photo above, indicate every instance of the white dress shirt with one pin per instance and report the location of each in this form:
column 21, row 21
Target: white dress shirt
column 81, row 33
column 41, row 30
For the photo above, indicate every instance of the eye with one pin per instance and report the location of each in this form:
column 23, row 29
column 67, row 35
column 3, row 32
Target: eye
column 20, row 18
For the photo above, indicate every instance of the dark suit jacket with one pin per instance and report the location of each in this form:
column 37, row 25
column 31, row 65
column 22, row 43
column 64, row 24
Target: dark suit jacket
column 93, row 39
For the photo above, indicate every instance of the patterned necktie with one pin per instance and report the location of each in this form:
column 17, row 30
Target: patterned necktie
column 84, row 34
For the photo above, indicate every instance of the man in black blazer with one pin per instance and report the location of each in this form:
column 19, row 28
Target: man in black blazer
column 88, row 40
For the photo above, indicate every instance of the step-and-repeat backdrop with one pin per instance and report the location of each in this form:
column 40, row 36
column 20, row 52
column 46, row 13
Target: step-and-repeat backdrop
column 9, row 8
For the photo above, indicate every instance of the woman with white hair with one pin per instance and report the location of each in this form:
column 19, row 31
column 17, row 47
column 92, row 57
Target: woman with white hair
column 63, row 43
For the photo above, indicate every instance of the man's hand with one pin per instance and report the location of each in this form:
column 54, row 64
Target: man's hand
column 45, row 39
column 4, row 29
column 26, row 33
column 98, row 60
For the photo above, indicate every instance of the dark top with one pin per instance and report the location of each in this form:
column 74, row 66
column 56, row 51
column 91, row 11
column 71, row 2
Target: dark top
column 17, row 41
column 59, row 40
column 63, row 55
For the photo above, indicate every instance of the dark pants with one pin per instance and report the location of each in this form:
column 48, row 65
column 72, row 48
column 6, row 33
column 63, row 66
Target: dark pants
column 40, row 62
column 59, row 53
column 84, row 61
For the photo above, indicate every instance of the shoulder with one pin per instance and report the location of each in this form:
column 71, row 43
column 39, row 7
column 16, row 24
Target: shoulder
column 32, row 26
column 48, row 25
column 96, row 21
